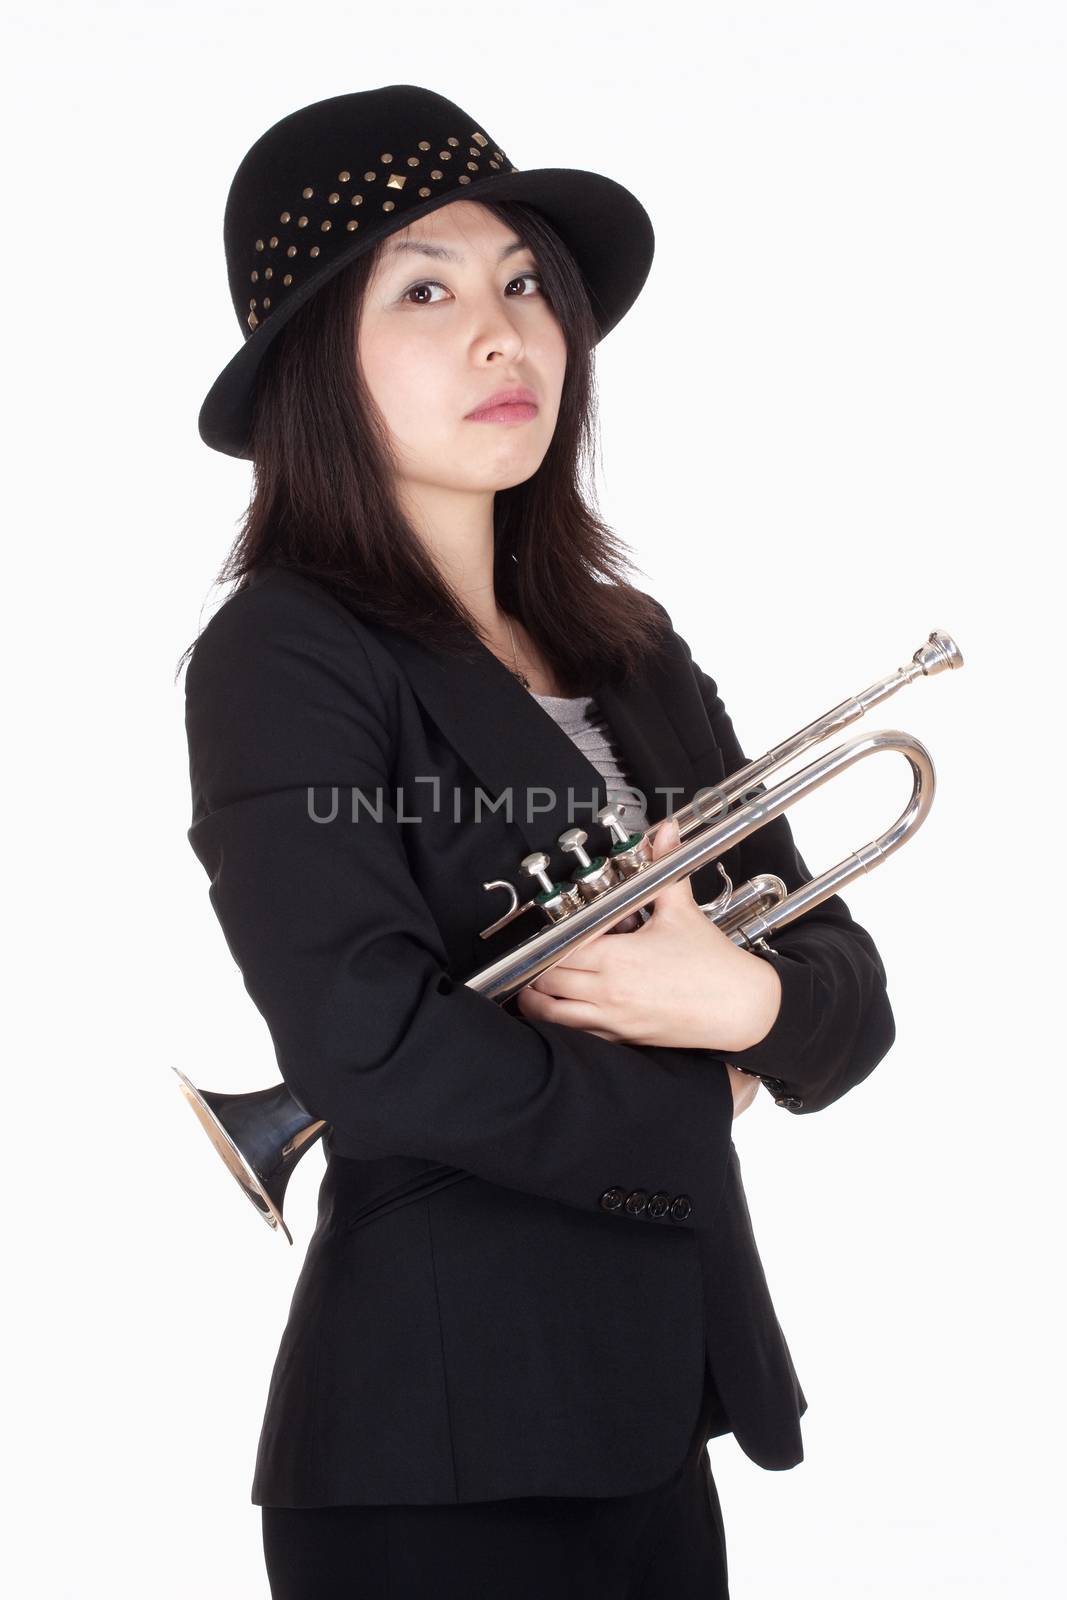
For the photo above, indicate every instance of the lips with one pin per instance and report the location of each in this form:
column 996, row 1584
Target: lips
column 505, row 397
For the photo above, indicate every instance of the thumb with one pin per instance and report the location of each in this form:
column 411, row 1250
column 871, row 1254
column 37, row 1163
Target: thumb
column 674, row 896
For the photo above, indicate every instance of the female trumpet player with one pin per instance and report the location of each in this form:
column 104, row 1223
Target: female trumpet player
column 532, row 1294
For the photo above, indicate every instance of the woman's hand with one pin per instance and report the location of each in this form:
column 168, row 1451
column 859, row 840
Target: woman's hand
column 678, row 980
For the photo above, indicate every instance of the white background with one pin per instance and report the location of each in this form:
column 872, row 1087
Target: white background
column 833, row 421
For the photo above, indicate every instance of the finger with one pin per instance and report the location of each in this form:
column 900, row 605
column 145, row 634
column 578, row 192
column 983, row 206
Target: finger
column 567, row 983
column 546, row 1008
column 588, row 959
column 677, row 895
column 666, row 837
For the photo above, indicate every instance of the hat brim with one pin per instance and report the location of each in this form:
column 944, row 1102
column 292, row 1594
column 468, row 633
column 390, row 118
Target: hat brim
column 604, row 226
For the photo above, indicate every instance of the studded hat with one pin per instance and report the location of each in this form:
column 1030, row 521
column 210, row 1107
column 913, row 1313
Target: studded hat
column 326, row 182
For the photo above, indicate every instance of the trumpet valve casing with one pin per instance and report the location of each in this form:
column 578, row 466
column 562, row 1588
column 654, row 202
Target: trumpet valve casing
column 591, row 881
column 629, row 858
column 565, row 898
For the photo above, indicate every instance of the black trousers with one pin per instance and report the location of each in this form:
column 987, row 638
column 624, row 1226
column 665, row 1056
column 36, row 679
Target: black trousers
column 665, row 1544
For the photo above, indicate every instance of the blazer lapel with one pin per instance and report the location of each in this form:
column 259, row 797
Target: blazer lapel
column 510, row 742
column 650, row 750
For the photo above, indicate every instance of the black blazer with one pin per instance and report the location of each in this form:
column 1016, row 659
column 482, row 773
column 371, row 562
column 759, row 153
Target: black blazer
column 532, row 1243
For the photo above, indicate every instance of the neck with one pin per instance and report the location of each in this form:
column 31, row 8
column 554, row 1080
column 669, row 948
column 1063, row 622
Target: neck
column 457, row 531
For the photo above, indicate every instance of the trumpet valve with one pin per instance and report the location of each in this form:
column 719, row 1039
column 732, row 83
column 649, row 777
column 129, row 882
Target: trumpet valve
column 592, row 875
column 610, row 816
column 557, row 900
column 629, row 851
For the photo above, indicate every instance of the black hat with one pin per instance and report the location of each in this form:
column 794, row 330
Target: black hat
column 326, row 182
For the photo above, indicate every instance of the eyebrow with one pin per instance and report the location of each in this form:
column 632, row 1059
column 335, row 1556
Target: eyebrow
column 439, row 251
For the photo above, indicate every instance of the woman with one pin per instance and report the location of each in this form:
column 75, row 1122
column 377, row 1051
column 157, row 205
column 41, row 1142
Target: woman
column 532, row 1294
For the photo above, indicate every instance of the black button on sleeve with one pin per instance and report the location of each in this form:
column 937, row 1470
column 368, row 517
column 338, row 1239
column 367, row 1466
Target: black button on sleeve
column 791, row 1102
column 681, row 1206
column 637, row 1201
column 612, row 1199
column 659, row 1204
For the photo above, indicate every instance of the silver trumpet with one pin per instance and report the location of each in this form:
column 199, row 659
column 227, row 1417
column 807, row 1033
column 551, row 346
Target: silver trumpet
column 261, row 1135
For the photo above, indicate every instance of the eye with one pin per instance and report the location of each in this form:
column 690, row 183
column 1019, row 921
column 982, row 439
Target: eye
column 432, row 283
column 429, row 284
column 523, row 276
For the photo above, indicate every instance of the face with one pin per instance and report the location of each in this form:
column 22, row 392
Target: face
column 454, row 313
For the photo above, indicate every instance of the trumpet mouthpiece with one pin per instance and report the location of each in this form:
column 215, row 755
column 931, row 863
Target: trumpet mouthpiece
column 940, row 653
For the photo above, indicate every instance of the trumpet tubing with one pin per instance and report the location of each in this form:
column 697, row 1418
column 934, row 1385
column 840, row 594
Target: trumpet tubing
column 262, row 1135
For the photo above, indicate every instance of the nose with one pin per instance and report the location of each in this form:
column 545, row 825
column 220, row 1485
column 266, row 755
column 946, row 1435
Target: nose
column 498, row 332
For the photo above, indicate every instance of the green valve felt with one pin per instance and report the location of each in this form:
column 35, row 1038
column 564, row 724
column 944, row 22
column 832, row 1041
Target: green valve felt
column 619, row 846
column 545, row 894
column 594, row 866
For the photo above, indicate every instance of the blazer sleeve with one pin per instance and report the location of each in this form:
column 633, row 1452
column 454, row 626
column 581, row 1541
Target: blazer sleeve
column 835, row 1022
column 340, row 953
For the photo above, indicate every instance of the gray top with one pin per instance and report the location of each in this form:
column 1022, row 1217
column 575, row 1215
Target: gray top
column 582, row 720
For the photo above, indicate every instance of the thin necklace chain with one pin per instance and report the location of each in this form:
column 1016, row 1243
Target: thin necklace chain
column 523, row 679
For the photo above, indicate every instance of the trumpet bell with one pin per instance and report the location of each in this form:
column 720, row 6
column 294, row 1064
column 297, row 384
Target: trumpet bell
column 263, row 1134
column 260, row 1136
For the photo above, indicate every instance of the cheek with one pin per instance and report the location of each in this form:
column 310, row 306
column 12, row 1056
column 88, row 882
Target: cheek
column 548, row 354
column 405, row 383
column 559, row 348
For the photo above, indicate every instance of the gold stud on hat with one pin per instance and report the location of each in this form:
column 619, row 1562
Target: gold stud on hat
column 264, row 219
column 394, row 181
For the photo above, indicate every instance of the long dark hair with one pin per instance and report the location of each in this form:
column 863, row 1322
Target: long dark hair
column 322, row 500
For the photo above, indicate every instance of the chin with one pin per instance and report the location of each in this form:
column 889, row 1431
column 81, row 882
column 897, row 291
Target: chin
column 517, row 475
column 511, row 468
